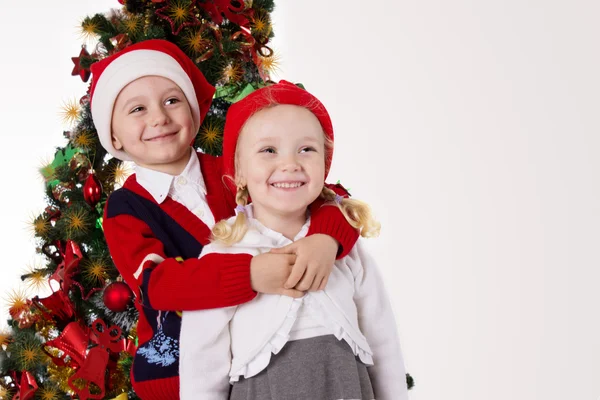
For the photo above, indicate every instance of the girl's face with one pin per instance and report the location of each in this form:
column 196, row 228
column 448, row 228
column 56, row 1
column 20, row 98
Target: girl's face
column 281, row 158
column 152, row 122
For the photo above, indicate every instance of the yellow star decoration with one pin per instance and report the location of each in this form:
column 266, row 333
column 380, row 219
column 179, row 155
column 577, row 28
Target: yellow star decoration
column 39, row 226
column 233, row 72
column 47, row 171
column 29, row 355
column 76, row 222
column 179, row 11
column 119, row 173
column 88, row 29
column 5, row 394
column 37, row 278
column 261, row 24
column 17, row 300
column 83, row 140
column 132, row 24
column 194, row 42
column 210, row 136
column 270, row 64
column 5, row 339
column 48, row 393
column 95, row 271
column 70, row 111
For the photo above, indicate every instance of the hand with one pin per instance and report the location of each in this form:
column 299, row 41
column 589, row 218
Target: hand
column 315, row 255
column 268, row 273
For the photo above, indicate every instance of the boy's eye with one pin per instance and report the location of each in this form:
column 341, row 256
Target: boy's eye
column 270, row 150
column 307, row 149
column 136, row 109
column 172, row 100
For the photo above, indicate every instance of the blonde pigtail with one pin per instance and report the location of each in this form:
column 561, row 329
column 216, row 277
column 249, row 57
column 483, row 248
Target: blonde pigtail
column 228, row 235
column 357, row 213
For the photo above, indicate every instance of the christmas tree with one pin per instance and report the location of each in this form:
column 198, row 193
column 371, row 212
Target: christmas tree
column 79, row 341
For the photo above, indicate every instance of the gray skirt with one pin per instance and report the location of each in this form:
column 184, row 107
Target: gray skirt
column 319, row 368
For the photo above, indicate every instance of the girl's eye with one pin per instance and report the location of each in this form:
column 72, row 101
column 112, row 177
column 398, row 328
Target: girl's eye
column 172, row 100
column 270, row 150
column 307, row 149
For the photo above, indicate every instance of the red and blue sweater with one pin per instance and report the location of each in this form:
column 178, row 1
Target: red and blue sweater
column 148, row 242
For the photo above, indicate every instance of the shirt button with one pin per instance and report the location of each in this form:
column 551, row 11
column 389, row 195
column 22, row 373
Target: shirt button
column 199, row 213
column 181, row 181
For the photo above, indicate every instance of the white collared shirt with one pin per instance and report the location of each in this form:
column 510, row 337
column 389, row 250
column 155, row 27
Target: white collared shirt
column 187, row 188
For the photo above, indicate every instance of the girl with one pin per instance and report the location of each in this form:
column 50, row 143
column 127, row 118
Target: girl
column 337, row 343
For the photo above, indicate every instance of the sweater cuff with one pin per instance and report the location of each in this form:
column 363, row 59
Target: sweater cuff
column 332, row 222
column 235, row 278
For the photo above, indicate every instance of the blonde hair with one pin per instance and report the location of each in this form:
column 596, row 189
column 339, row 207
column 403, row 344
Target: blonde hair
column 228, row 235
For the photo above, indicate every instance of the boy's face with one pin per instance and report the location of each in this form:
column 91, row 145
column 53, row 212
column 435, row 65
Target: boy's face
column 152, row 122
column 282, row 159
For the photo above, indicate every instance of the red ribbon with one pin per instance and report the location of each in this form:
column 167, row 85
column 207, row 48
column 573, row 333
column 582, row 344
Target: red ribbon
column 70, row 255
column 26, row 388
column 56, row 305
column 216, row 8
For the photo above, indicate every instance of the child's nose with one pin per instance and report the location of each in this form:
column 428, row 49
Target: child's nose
column 158, row 117
column 290, row 164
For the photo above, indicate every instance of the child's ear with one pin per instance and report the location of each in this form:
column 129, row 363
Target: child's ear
column 116, row 143
column 240, row 181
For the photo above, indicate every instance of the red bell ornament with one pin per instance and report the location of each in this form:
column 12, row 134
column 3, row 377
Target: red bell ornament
column 92, row 190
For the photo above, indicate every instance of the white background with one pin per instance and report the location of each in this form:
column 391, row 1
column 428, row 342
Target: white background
column 471, row 127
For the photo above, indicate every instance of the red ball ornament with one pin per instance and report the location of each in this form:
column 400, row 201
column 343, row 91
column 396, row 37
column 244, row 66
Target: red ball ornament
column 117, row 296
column 92, row 190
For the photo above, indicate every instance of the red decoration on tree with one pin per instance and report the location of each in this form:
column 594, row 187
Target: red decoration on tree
column 93, row 370
column 84, row 73
column 73, row 342
column 117, row 296
column 119, row 42
column 70, row 255
column 27, row 386
column 57, row 306
column 217, row 8
column 92, row 190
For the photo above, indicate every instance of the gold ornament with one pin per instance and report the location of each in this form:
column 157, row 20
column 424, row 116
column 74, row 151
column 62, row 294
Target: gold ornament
column 29, row 354
column 5, row 339
column 47, row 393
column 89, row 29
column 194, row 42
column 95, row 271
column 211, row 136
column 270, row 64
column 233, row 72
column 132, row 24
column 118, row 173
column 60, row 375
column 16, row 301
column 36, row 279
column 83, row 140
column 76, row 222
column 70, row 111
column 39, row 226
